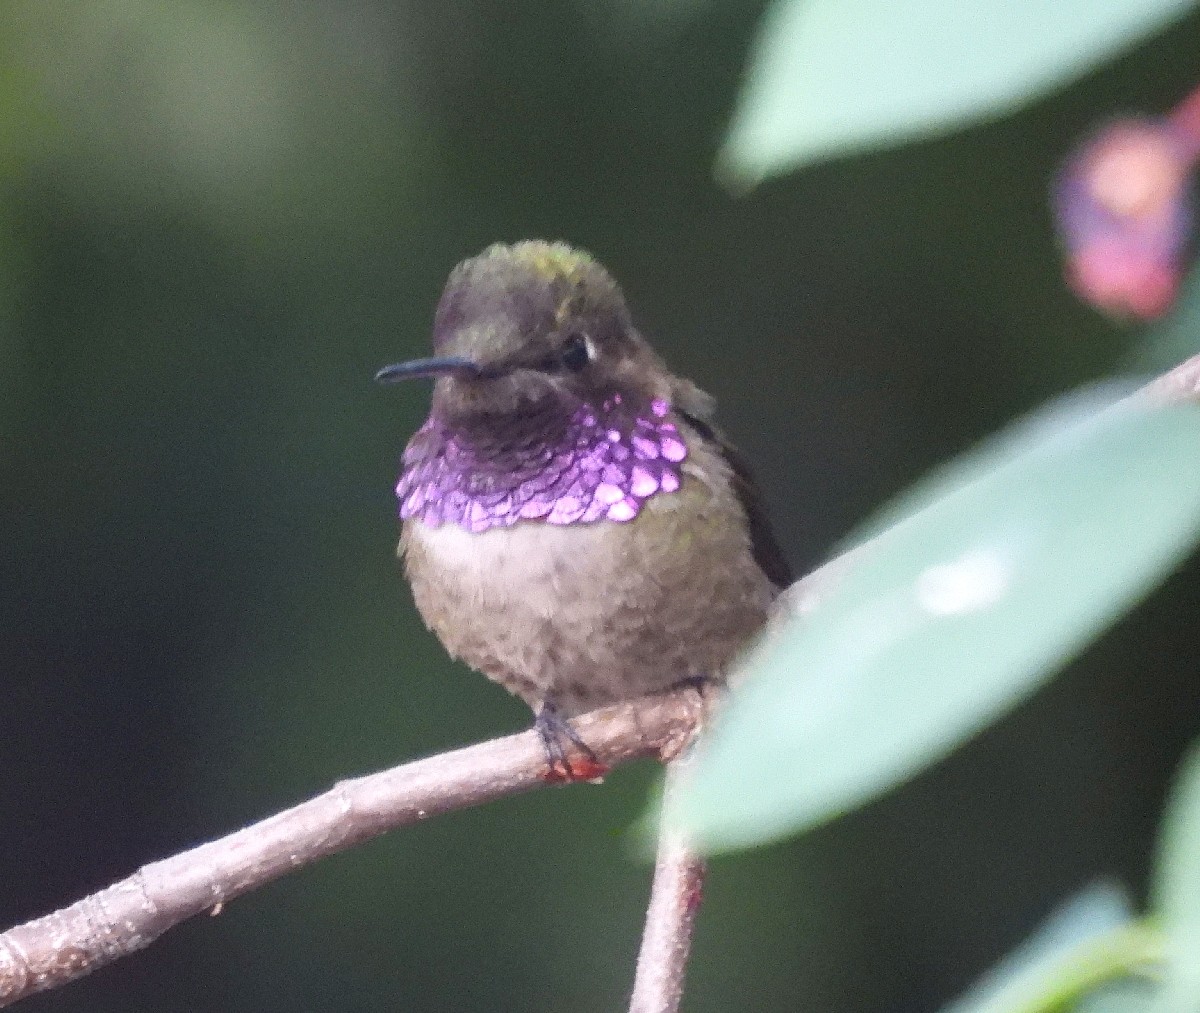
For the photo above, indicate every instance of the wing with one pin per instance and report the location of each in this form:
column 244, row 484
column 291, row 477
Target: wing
column 767, row 554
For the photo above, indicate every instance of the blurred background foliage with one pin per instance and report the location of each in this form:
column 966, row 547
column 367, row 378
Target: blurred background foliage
column 217, row 218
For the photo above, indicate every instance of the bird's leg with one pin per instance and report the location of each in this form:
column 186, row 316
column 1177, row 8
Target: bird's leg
column 557, row 737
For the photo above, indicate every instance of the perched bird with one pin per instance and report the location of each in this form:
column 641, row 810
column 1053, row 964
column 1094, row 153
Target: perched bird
column 574, row 526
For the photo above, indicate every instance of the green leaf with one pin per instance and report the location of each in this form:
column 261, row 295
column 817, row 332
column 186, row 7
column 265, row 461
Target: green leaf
column 1176, row 890
column 832, row 76
column 1119, row 997
column 1081, row 958
column 1110, row 972
column 998, row 569
column 1096, row 911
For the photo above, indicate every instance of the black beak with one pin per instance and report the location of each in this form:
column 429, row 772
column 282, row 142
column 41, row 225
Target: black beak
column 437, row 366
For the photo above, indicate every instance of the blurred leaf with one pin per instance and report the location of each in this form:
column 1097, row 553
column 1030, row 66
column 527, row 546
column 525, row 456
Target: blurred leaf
column 832, row 76
column 1119, row 997
column 1002, row 566
column 1099, row 973
column 1091, row 913
column 1066, row 964
column 1176, row 890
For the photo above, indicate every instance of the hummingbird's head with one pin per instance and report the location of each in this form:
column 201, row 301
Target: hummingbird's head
column 525, row 325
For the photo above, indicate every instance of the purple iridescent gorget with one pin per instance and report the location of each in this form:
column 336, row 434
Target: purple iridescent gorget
column 558, row 464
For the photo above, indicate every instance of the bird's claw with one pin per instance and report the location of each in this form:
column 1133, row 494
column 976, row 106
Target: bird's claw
column 558, row 738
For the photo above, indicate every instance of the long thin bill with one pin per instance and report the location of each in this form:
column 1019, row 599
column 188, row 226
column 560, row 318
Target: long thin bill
column 437, row 366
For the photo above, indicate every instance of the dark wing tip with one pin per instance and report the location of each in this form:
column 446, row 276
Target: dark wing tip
column 767, row 553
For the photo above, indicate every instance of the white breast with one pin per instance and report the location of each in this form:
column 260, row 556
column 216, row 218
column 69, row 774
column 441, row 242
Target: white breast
column 536, row 564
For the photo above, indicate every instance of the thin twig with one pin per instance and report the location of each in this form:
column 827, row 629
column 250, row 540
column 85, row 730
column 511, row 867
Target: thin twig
column 674, row 901
column 129, row 915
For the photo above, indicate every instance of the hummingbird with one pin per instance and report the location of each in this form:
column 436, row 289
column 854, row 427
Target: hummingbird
column 575, row 527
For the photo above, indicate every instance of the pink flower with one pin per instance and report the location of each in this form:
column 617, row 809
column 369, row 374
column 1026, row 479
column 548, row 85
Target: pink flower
column 1125, row 216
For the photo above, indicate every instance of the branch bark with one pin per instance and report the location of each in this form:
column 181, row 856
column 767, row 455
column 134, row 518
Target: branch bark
column 675, row 898
column 129, row 915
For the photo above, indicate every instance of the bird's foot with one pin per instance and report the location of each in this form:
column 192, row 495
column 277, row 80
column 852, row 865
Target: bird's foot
column 558, row 738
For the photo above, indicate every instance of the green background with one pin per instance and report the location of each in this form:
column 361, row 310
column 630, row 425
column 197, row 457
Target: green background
column 217, row 219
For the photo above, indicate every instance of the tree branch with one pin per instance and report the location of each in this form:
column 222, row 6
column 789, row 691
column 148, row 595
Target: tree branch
column 674, row 901
column 129, row 915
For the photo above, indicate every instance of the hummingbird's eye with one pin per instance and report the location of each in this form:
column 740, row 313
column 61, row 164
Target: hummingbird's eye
column 575, row 354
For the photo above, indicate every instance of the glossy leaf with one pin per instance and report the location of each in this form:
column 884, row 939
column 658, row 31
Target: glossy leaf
column 980, row 582
column 832, row 76
column 1070, row 962
column 1119, row 997
column 1176, row 892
